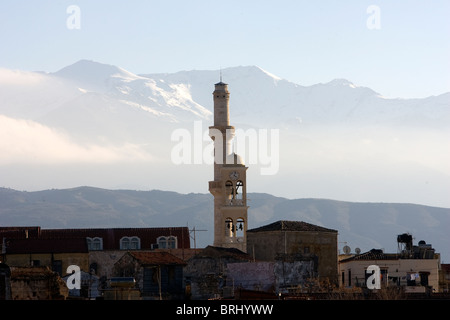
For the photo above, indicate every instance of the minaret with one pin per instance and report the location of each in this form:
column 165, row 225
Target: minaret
column 229, row 185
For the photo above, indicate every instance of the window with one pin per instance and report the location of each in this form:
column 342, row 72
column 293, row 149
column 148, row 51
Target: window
column 134, row 243
column 94, row 243
column 169, row 242
column 172, row 242
column 57, row 267
column 162, row 242
column 349, row 277
column 411, row 278
column 93, row 268
column 130, row 243
column 125, row 243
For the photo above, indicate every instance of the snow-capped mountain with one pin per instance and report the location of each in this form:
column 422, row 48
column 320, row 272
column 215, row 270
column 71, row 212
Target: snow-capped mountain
column 331, row 134
column 258, row 98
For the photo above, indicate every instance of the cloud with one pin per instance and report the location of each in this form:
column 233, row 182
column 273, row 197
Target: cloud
column 26, row 141
column 20, row 78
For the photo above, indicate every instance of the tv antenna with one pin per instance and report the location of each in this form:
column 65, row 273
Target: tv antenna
column 193, row 231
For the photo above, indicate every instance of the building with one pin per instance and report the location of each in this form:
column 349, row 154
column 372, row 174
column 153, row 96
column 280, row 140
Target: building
column 108, row 238
column 206, row 273
column 56, row 255
column 296, row 240
column 229, row 186
column 94, row 250
column 37, row 283
column 444, row 278
column 5, row 282
column 277, row 277
column 158, row 275
column 414, row 269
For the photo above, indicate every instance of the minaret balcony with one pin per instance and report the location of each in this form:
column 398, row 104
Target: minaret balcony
column 215, row 187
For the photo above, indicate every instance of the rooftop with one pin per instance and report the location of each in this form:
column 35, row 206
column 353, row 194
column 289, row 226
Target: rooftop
column 20, row 246
column 374, row 254
column 156, row 258
column 223, row 253
column 110, row 236
column 284, row 225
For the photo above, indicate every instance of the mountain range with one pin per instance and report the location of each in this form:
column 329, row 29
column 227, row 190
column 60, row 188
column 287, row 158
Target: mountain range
column 258, row 98
column 360, row 225
column 96, row 124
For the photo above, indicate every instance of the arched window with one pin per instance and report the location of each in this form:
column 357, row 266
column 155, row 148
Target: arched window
column 130, row 243
column 135, row 243
column 125, row 243
column 94, row 243
column 162, row 242
column 172, row 242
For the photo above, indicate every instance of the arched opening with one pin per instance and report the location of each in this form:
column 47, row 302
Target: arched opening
column 125, row 243
column 162, row 242
column 229, row 227
column 135, row 243
column 229, row 190
column 239, row 190
column 172, row 242
column 240, row 228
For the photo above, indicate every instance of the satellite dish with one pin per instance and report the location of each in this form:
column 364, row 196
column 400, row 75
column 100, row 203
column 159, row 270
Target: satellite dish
column 347, row 249
column 357, row 250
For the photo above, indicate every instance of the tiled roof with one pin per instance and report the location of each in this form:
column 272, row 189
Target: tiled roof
column 20, row 232
column 156, row 258
column 374, row 254
column 20, row 246
column 110, row 236
column 33, row 273
column 223, row 253
column 284, row 225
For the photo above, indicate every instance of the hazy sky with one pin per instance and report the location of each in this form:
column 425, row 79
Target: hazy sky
column 398, row 48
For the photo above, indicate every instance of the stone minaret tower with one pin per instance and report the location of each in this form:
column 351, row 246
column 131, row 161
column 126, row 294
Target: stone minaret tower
column 229, row 185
